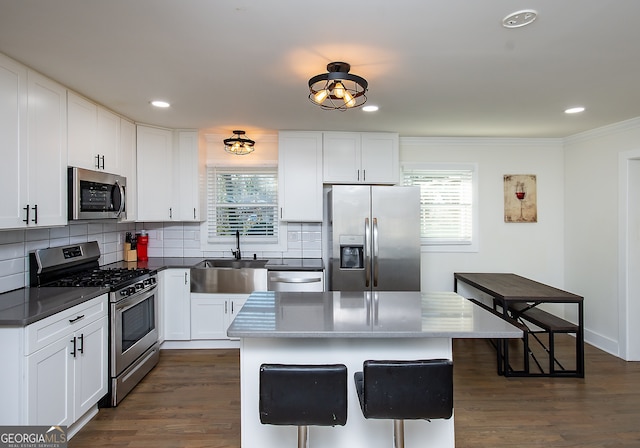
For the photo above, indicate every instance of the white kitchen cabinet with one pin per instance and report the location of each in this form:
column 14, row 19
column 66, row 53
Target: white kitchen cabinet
column 59, row 366
column 169, row 172
column 300, row 176
column 94, row 135
column 189, row 171
column 367, row 158
column 46, row 152
column 128, row 164
column 176, row 297
column 155, row 174
column 211, row 314
column 13, row 142
column 33, row 141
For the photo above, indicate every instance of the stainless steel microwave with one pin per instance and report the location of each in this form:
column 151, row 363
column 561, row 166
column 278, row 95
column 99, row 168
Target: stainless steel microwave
column 95, row 194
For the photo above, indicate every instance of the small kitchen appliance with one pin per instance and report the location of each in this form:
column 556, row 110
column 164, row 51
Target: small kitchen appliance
column 133, row 307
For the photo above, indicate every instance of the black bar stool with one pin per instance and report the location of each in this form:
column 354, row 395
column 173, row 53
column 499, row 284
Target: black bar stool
column 303, row 396
column 405, row 390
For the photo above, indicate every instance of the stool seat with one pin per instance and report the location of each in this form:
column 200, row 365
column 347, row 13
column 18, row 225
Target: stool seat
column 405, row 390
column 303, row 395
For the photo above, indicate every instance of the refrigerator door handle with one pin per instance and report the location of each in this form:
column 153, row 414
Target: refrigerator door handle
column 367, row 253
column 375, row 252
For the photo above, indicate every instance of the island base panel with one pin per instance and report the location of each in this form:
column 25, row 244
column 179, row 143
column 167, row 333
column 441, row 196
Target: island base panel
column 358, row 431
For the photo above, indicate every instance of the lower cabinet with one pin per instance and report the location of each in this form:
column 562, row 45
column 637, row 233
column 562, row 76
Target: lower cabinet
column 211, row 314
column 175, row 285
column 60, row 366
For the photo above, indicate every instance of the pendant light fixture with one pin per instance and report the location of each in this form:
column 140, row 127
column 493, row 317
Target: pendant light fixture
column 338, row 89
column 238, row 145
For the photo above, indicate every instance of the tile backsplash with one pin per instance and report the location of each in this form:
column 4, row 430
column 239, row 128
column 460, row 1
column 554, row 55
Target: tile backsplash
column 168, row 239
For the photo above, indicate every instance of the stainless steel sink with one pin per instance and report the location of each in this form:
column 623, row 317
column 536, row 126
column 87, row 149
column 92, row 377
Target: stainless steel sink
column 229, row 276
column 232, row 263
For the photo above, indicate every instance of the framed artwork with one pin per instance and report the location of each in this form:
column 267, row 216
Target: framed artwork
column 520, row 198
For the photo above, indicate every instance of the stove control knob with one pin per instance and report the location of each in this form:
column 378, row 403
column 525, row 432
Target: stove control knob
column 124, row 292
column 131, row 290
column 139, row 286
column 153, row 280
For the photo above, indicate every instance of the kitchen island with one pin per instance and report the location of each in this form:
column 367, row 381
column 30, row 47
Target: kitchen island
column 349, row 328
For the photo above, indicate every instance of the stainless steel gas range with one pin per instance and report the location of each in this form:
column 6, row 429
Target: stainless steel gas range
column 133, row 308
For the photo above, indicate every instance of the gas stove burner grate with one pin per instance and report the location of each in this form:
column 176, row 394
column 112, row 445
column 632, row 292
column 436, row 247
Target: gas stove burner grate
column 106, row 278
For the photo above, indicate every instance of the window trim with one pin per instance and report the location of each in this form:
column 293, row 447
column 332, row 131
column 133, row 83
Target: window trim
column 473, row 246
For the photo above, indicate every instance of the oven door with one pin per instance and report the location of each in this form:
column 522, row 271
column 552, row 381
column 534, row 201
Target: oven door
column 134, row 328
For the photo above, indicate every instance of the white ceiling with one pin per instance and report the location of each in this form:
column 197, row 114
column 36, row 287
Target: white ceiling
column 435, row 67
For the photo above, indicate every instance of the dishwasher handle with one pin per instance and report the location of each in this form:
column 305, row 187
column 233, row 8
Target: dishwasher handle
column 296, row 280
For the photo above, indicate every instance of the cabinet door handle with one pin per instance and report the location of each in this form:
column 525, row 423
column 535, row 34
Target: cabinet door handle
column 170, row 213
column 364, row 175
column 73, row 352
column 194, row 213
column 231, row 307
column 225, row 308
column 77, row 318
column 81, row 349
column 185, row 278
column 27, row 210
column 102, row 161
column 98, row 161
column 35, row 213
column 358, row 176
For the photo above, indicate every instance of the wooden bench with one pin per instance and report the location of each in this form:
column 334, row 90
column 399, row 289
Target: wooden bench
column 548, row 323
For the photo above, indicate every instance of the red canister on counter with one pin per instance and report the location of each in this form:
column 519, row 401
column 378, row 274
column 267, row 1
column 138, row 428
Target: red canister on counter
column 143, row 243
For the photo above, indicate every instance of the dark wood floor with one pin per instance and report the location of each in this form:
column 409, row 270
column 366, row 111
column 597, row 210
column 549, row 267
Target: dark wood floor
column 192, row 399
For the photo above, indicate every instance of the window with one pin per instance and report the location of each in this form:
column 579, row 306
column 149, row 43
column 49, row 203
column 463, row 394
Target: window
column 447, row 217
column 242, row 199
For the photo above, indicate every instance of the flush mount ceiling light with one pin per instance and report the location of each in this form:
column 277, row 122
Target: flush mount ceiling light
column 338, row 89
column 238, row 145
column 519, row 18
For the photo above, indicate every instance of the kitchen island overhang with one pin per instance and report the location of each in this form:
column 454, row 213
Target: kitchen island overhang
column 349, row 328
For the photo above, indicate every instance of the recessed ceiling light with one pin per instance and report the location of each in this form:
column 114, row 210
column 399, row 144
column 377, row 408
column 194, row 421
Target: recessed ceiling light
column 158, row 103
column 370, row 108
column 574, row 110
column 519, row 18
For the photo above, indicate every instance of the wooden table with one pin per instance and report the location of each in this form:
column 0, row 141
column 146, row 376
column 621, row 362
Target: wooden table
column 516, row 295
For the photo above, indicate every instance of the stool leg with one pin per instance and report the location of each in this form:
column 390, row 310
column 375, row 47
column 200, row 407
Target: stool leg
column 398, row 434
column 303, row 437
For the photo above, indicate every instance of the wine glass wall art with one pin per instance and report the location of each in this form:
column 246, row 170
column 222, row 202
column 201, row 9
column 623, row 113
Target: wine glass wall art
column 520, row 198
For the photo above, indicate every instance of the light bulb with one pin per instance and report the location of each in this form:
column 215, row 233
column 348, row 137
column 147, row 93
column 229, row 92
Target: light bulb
column 349, row 100
column 320, row 96
column 338, row 90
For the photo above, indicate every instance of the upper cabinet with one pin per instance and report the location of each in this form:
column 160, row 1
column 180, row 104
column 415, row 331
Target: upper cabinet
column 128, row 166
column 168, row 175
column 155, row 174
column 33, row 146
column 94, row 135
column 367, row 158
column 300, row 176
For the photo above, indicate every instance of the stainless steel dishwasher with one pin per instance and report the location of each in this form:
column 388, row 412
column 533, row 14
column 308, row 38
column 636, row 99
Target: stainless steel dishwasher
column 295, row 281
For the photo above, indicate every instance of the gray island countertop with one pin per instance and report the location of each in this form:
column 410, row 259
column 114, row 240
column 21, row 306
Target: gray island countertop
column 366, row 315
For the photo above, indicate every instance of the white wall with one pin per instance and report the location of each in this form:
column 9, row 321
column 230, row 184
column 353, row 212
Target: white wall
column 533, row 250
column 592, row 221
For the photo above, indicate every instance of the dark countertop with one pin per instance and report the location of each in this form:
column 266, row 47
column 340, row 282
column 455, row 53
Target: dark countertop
column 25, row 306
column 274, row 264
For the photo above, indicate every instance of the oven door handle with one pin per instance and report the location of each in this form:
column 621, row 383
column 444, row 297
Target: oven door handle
column 131, row 301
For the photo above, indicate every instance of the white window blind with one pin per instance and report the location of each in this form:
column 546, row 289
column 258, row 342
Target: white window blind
column 244, row 200
column 446, row 203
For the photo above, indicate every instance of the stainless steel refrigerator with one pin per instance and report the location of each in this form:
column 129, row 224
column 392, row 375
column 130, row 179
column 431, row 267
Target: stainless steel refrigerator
column 374, row 234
